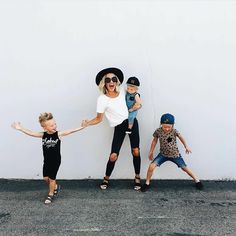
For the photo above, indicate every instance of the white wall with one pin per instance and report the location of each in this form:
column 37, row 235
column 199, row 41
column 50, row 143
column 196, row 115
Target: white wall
column 182, row 51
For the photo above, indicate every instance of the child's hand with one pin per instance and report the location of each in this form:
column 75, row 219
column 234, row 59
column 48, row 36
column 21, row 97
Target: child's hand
column 136, row 106
column 188, row 150
column 16, row 125
column 150, row 156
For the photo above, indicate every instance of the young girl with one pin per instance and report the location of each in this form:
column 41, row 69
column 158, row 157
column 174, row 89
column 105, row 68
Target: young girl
column 132, row 99
column 168, row 150
column 51, row 142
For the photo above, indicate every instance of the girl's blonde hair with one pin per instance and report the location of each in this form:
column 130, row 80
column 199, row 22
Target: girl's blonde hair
column 102, row 85
column 45, row 117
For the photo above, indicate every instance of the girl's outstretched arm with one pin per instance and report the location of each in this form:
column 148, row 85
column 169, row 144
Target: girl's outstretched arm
column 69, row 131
column 187, row 149
column 18, row 126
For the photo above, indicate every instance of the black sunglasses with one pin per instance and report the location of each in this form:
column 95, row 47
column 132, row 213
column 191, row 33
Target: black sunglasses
column 113, row 79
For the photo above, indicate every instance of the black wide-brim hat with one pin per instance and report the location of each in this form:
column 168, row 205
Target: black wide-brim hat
column 113, row 70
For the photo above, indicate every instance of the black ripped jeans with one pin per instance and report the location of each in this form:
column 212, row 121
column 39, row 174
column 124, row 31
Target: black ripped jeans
column 118, row 138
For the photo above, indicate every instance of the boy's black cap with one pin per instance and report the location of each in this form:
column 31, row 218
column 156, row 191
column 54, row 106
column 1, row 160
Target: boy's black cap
column 167, row 119
column 113, row 70
column 133, row 81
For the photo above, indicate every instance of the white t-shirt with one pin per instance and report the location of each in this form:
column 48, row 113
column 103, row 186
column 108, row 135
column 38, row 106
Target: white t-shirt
column 115, row 109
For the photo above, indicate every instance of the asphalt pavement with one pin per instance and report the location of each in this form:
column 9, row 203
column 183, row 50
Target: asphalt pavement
column 170, row 207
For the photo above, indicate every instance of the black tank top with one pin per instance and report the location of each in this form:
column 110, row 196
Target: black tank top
column 51, row 147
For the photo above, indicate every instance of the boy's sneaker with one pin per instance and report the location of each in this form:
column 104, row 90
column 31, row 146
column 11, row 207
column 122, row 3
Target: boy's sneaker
column 199, row 185
column 145, row 187
column 128, row 131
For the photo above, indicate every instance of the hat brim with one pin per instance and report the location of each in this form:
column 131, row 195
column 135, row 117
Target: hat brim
column 113, row 70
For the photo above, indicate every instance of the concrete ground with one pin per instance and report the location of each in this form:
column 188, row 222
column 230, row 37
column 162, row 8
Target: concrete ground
column 171, row 207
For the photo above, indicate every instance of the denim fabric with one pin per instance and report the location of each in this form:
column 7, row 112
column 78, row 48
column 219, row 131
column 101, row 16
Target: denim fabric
column 160, row 159
column 130, row 100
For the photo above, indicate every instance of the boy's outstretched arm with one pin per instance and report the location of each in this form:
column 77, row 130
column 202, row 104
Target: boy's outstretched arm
column 153, row 145
column 18, row 126
column 187, row 149
column 69, row 131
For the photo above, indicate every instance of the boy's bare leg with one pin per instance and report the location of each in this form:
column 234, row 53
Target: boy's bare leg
column 190, row 173
column 46, row 179
column 151, row 168
column 52, row 186
column 56, row 185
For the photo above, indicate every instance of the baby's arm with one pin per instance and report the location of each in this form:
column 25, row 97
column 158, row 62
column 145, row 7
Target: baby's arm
column 187, row 149
column 153, row 145
column 18, row 126
column 69, row 131
column 137, row 105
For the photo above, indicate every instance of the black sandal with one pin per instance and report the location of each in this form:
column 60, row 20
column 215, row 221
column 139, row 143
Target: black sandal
column 48, row 199
column 104, row 184
column 137, row 185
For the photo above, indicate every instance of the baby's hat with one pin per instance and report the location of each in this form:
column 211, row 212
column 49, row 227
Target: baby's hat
column 167, row 119
column 133, row 81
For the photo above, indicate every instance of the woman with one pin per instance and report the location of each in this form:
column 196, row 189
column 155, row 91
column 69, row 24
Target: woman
column 112, row 103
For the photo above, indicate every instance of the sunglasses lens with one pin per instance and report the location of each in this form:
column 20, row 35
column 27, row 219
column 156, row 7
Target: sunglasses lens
column 107, row 80
column 113, row 79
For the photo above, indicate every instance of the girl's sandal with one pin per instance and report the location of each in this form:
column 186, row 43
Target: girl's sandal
column 104, row 184
column 137, row 184
column 48, row 199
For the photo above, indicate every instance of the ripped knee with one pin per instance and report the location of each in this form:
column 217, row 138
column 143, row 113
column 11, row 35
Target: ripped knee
column 113, row 157
column 135, row 152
